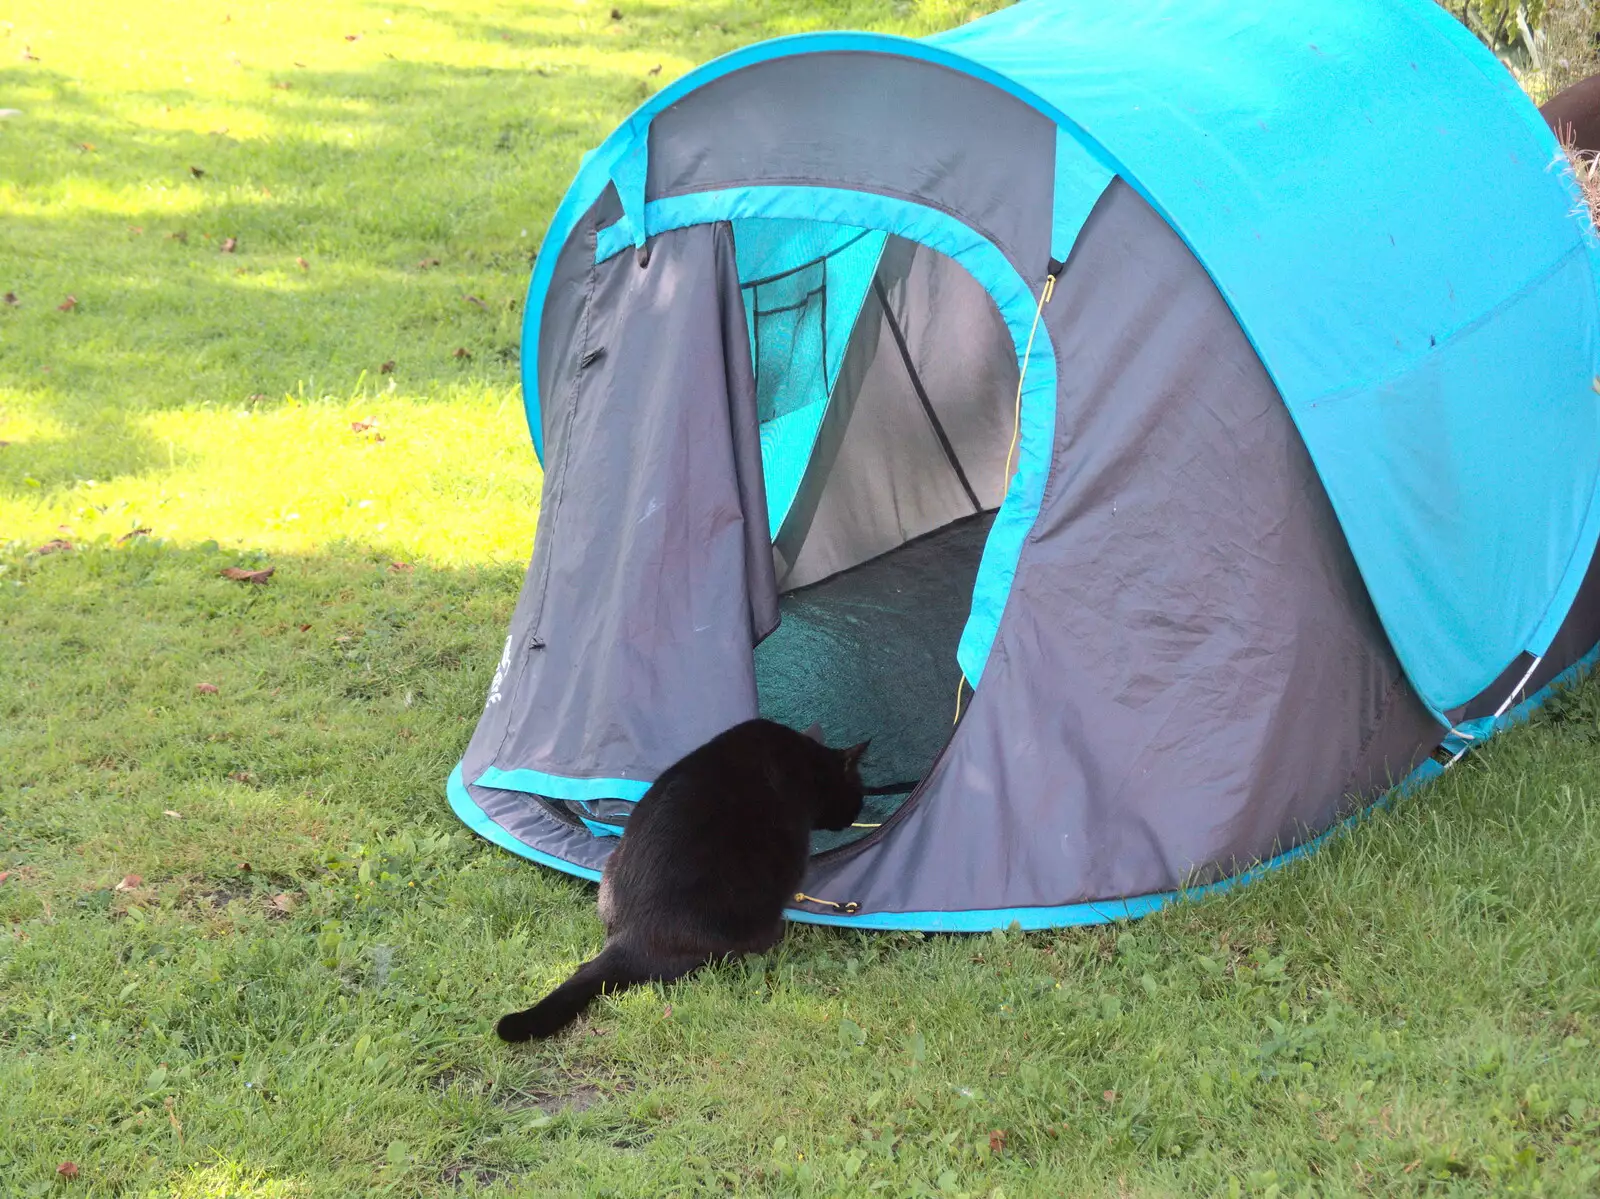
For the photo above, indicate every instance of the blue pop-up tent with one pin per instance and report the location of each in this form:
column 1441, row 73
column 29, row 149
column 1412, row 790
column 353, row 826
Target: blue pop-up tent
column 1196, row 400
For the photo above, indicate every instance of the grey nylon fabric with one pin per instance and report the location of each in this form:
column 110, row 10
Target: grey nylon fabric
column 880, row 475
column 651, row 577
column 565, row 305
column 935, row 135
column 1189, row 675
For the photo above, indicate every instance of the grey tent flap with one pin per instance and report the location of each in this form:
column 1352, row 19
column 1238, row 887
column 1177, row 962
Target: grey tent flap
column 652, row 577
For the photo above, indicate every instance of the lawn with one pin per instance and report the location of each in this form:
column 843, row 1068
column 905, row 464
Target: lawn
column 267, row 263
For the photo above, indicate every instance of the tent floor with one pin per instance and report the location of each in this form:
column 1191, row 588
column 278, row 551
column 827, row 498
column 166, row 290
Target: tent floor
column 871, row 652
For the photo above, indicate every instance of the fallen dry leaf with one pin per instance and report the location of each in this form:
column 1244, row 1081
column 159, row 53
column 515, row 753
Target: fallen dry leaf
column 206, row 688
column 245, row 867
column 256, row 397
column 11, row 298
column 352, row 37
column 86, row 147
column 141, row 531
column 387, row 368
column 478, row 302
column 305, row 628
column 136, row 229
column 461, row 352
column 240, row 575
column 284, row 902
column 229, row 245
column 377, row 437
column 1109, row 1096
column 666, row 1012
column 361, row 426
column 655, row 70
column 426, row 263
column 129, row 882
column 181, row 235
column 67, row 1169
column 401, row 568
column 997, row 1140
column 302, row 264
column 57, row 546
column 68, row 304
column 245, row 777
column 197, row 172
column 170, row 812
column 4, row 874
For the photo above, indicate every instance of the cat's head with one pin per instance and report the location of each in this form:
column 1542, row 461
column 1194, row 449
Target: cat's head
column 841, row 797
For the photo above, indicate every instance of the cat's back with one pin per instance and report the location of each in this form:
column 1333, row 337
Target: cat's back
column 752, row 773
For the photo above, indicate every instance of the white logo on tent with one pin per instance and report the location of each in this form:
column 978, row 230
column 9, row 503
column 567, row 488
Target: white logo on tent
column 500, row 674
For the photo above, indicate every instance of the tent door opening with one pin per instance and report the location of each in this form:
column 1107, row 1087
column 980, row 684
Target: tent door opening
column 885, row 385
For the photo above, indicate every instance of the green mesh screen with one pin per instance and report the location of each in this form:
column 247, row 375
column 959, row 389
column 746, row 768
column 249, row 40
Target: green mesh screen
column 803, row 284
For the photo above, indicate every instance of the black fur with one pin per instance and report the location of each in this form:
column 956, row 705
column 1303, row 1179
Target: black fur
column 711, row 855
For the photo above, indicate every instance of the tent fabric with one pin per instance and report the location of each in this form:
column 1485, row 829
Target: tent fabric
column 804, row 283
column 1238, row 335
column 1302, row 151
column 1016, row 303
column 1218, row 686
column 1370, row 261
column 913, row 439
column 663, row 514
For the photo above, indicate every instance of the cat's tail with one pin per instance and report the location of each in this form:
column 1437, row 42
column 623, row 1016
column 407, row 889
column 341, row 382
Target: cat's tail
column 613, row 970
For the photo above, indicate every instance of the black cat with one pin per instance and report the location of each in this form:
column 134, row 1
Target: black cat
column 712, row 853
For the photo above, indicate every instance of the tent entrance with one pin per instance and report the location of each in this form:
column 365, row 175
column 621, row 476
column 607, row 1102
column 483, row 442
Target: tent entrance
column 886, row 384
column 870, row 652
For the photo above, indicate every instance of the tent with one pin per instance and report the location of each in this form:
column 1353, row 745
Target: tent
column 1164, row 428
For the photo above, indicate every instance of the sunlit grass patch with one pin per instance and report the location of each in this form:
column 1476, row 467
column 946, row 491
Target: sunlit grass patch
column 448, row 481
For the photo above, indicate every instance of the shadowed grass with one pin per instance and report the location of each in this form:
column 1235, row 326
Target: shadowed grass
column 307, row 953
column 245, row 950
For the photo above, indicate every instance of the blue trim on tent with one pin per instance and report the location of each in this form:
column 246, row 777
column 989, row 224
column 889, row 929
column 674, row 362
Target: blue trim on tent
column 557, row 786
column 1017, row 304
column 1066, row 915
column 478, row 821
column 595, row 171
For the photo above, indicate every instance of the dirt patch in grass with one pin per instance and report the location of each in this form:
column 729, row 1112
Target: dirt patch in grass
column 577, row 1093
column 471, row 1175
column 578, row 1099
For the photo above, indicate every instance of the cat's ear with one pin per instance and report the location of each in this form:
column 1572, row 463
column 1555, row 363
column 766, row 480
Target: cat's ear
column 815, row 733
column 852, row 756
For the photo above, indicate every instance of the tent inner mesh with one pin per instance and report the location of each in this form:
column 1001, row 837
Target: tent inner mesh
column 871, row 652
column 886, row 383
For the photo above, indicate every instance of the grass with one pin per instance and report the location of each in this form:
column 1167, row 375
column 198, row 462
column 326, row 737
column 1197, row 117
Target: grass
column 245, row 950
